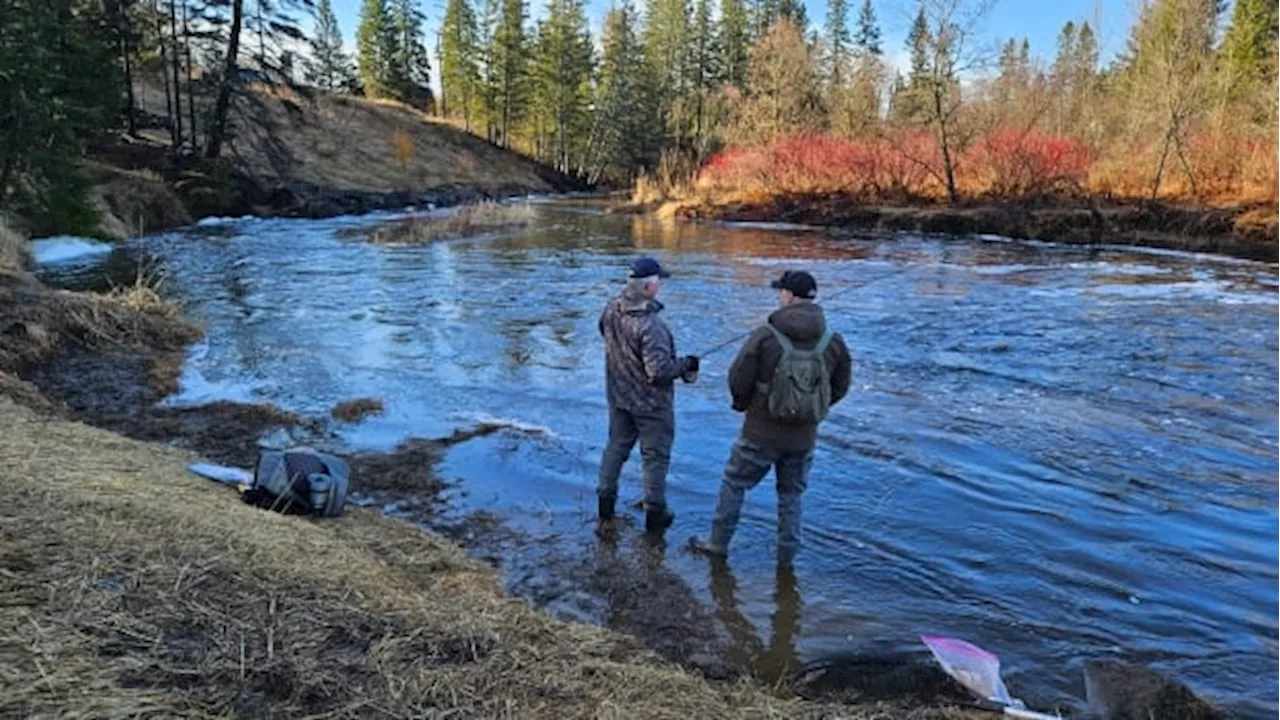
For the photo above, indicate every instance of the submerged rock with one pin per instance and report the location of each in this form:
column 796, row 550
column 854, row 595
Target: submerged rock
column 1121, row 691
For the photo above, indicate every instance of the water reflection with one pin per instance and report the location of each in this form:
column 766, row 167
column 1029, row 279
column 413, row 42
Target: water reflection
column 774, row 661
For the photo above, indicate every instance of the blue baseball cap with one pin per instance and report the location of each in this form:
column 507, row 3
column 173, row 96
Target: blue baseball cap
column 648, row 267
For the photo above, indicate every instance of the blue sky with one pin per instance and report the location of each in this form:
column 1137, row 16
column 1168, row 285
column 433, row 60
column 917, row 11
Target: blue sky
column 1037, row 20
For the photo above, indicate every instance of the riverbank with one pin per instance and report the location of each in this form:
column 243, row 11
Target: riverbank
column 135, row 589
column 1245, row 232
column 297, row 153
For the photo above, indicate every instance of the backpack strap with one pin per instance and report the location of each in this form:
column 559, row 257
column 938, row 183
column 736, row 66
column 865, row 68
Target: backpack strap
column 782, row 338
column 824, row 341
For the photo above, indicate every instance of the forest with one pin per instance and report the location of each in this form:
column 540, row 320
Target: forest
column 735, row 97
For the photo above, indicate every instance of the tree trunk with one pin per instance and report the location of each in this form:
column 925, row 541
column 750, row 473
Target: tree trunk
column 122, row 45
column 177, row 85
column 191, row 89
column 943, row 140
column 218, row 127
column 1164, row 154
column 164, row 74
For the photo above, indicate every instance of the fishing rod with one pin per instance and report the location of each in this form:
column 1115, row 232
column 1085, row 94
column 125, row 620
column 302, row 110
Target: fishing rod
column 740, row 336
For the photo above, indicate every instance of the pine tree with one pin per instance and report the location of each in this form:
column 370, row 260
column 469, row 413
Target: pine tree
column 666, row 47
column 329, row 68
column 918, row 42
column 867, row 37
column 796, row 13
column 763, row 17
column 703, row 65
column 486, row 32
column 459, row 71
column 621, row 129
column 735, row 41
column 562, row 72
column 408, row 75
column 62, row 88
column 375, row 41
column 837, row 37
column 1250, row 45
column 509, row 62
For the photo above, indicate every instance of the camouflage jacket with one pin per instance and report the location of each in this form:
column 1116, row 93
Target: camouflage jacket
column 639, row 355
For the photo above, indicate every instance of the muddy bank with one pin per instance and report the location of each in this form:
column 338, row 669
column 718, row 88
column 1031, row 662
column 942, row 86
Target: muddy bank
column 1243, row 232
column 125, row 600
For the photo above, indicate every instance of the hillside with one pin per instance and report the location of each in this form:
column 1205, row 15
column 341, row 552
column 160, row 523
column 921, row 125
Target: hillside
column 302, row 153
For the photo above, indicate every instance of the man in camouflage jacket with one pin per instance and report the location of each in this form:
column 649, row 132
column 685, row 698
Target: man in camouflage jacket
column 640, row 370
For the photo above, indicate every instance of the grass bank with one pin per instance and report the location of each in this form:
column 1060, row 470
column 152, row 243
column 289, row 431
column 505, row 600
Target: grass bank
column 134, row 589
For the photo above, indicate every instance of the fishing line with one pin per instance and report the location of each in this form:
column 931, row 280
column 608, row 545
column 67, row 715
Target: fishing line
column 740, row 336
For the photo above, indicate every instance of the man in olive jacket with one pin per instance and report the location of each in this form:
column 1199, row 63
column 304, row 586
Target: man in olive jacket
column 767, row 442
column 641, row 368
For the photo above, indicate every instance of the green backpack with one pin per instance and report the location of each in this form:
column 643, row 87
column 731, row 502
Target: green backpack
column 800, row 391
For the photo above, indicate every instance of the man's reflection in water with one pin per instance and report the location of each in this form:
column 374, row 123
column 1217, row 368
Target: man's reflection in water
column 772, row 663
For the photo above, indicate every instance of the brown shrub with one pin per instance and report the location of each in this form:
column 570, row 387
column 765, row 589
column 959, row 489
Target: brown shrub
column 357, row 409
column 464, row 221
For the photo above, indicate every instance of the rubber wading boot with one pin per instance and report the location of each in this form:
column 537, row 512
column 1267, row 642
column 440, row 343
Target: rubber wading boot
column 606, row 507
column 657, row 519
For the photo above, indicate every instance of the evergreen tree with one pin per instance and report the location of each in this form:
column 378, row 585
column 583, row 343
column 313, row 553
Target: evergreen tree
column 703, row 66
column 735, row 41
column 486, row 32
column 459, row 71
column 796, row 13
column 620, row 139
column 62, row 87
column 837, row 36
column 918, row 42
column 763, row 17
column 377, row 49
column 329, row 67
column 1250, row 46
column 409, row 76
column 666, row 47
column 867, row 37
column 562, row 71
column 509, row 60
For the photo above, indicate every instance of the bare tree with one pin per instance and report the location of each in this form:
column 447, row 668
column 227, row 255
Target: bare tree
column 951, row 51
column 1170, row 78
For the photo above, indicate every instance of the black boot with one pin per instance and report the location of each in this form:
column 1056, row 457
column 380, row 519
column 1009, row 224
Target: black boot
column 606, row 506
column 657, row 519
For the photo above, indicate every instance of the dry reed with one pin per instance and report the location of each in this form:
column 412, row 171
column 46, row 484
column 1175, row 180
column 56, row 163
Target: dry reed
column 465, row 221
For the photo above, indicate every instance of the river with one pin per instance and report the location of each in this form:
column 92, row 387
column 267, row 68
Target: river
column 1054, row 452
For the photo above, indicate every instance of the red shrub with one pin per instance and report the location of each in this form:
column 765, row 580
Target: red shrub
column 900, row 167
column 1016, row 162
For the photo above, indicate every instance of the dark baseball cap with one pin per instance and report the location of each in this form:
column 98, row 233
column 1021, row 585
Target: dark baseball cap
column 643, row 267
column 798, row 283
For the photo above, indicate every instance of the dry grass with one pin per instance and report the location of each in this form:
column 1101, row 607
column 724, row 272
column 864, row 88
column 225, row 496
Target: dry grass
column 357, row 409
column 36, row 323
column 15, row 254
column 349, row 143
column 135, row 590
column 484, row 217
column 134, row 202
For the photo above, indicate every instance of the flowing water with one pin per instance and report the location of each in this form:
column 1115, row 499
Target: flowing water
column 1054, row 452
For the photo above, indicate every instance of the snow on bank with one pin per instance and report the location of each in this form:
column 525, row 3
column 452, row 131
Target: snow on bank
column 68, row 249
